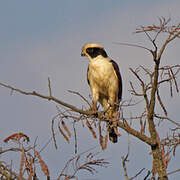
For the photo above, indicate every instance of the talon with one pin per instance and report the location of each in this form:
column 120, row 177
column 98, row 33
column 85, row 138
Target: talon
column 93, row 111
column 96, row 115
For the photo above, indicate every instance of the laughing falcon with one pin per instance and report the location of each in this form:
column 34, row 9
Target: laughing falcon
column 105, row 82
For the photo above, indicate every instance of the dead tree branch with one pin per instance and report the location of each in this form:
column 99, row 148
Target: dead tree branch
column 50, row 98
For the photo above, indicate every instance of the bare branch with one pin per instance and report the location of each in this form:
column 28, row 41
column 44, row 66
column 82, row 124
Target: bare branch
column 170, row 120
column 133, row 91
column 174, row 78
column 74, row 92
column 53, row 133
column 144, row 88
column 137, row 174
column 133, row 45
column 62, row 133
column 172, row 172
column 149, row 172
column 34, row 93
column 91, row 129
column 15, row 150
column 137, row 76
column 168, row 40
column 161, row 104
column 75, row 137
column 124, row 167
column 125, row 159
column 135, row 133
column 49, row 86
column 89, row 163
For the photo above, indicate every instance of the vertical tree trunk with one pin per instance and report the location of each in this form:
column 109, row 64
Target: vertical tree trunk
column 156, row 151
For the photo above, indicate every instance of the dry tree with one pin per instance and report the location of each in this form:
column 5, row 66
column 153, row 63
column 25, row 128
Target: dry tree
column 85, row 161
column 28, row 160
column 149, row 92
column 31, row 157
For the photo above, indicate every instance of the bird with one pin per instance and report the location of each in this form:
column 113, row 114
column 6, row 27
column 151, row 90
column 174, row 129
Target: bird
column 104, row 79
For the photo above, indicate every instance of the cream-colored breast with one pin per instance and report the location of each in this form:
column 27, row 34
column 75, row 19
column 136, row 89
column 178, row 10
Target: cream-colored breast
column 101, row 75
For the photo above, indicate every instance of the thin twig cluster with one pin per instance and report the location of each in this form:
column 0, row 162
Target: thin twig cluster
column 28, row 160
column 162, row 27
column 85, row 161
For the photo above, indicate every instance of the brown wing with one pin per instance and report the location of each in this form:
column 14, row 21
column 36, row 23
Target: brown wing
column 116, row 68
column 88, row 76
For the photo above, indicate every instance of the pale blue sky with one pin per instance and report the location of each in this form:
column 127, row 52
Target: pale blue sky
column 41, row 39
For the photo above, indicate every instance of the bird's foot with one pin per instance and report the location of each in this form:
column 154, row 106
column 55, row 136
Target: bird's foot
column 93, row 111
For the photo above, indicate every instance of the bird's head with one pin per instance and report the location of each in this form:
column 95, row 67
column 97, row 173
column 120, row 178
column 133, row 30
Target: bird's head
column 93, row 50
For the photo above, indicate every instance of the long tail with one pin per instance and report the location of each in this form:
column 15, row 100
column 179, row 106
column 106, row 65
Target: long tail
column 112, row 135
column 112, row 125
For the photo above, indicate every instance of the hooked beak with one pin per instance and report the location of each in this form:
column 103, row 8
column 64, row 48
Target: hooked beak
column 82, row 54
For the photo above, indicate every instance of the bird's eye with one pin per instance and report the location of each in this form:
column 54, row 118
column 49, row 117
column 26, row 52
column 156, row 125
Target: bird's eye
column 89, row 50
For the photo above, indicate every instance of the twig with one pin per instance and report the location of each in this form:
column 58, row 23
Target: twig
column 174, row 78
column 46, row 144
column 74, row 92
column 161, row 103
column 137, row 76
column 62, row 133
column 164, row 117
column 149, row 172
column 77, row 165
column 125, row 159
column 172, row 172
column 124, row 167
column 16, row 150
column 137, row 174
column 132, row 45
column 75, row 138
column 135, row 133
column 49, row 86
column 53, row 133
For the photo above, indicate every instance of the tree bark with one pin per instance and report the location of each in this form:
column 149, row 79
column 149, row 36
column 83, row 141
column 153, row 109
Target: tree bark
column 156, row 151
